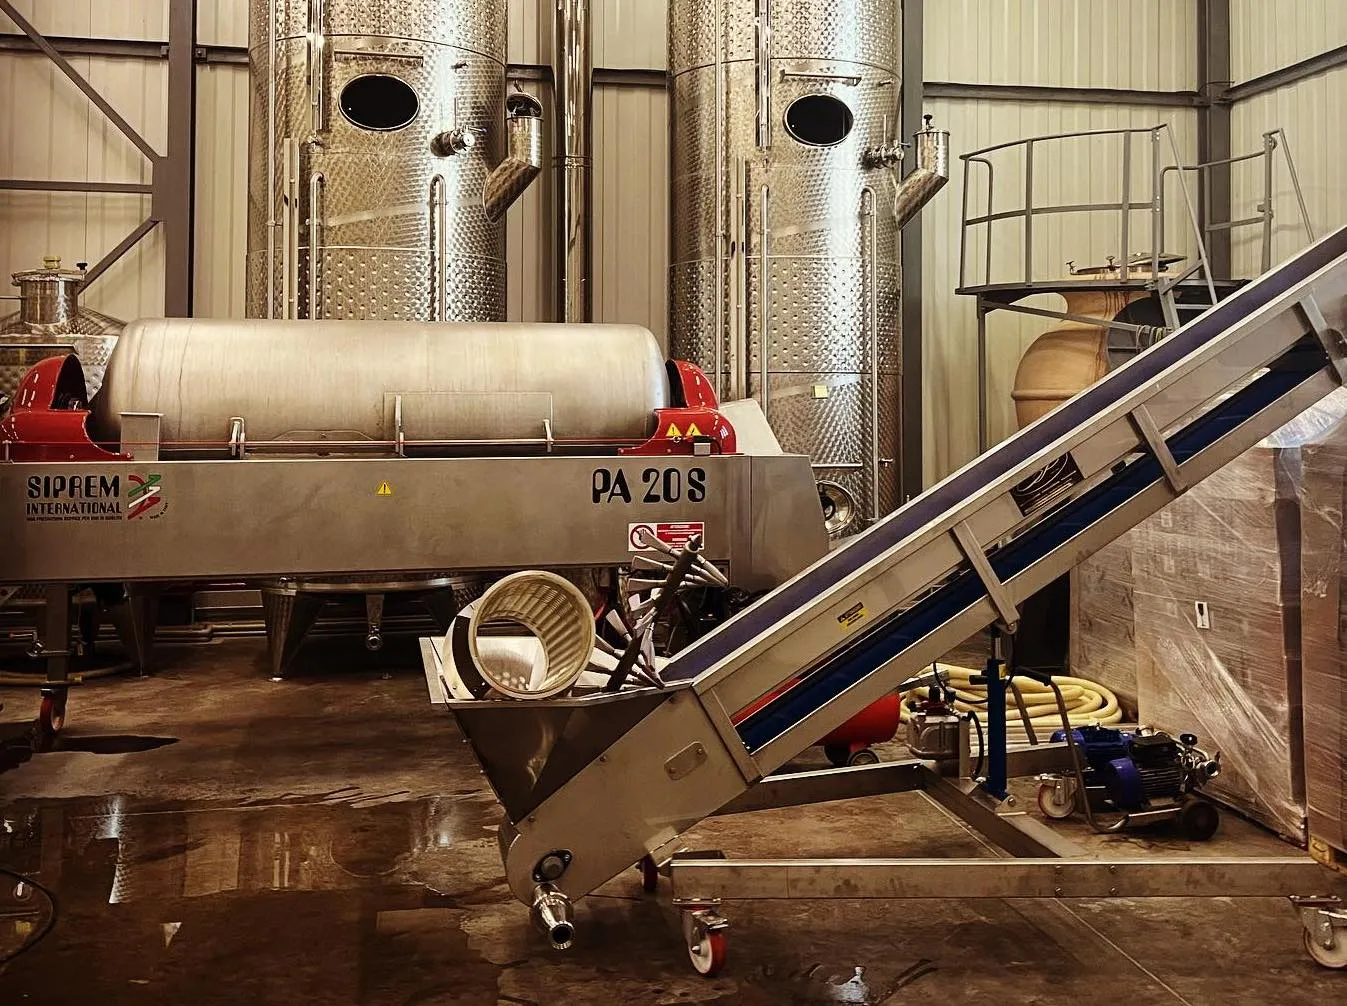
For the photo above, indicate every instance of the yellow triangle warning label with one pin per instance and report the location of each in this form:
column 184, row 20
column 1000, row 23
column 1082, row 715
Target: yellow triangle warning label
column 693, row 431
column 385, row 489
column 672, row 432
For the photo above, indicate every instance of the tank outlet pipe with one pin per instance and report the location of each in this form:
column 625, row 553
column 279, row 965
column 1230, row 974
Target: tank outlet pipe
column 573, row 159
column 929, row 176
column 552, row 914
column 523, row 155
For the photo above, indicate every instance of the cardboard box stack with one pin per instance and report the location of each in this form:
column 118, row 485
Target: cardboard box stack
column 1103, row 643
column 1216, row 600
column 1324, row 643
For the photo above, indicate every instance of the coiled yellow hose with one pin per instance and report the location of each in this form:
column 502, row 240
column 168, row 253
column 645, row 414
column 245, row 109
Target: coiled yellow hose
column 1086, row 701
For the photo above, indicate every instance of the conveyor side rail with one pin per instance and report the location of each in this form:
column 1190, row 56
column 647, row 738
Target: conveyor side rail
column 962, row 556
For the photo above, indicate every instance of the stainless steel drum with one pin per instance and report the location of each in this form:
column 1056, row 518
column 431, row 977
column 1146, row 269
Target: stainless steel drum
column 51, row 322
column 455, row 386
column 375, row 128
column 785, row 115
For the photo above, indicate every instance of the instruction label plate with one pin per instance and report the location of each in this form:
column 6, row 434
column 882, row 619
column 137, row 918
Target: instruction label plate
column 675, row 534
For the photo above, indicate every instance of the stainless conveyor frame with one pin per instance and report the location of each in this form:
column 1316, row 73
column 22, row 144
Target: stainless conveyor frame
column 597, row 784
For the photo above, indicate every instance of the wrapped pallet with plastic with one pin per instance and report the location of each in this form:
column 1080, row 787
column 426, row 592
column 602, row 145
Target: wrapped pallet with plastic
column 1103, row 631
column 1324, row 646
column 1217, row 607
column 1218, row 613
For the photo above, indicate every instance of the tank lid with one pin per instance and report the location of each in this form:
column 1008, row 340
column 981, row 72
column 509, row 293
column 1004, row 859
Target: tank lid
column 51, row 271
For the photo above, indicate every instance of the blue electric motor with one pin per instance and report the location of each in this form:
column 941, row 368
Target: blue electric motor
column 1138, row 771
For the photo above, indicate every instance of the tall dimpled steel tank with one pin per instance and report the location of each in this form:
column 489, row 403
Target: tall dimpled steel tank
column 785, row 115
column 384, row 153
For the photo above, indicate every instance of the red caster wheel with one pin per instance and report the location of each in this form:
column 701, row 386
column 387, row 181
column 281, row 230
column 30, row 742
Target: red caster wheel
column 51, row 714
column 649, row 875
column 706, row 935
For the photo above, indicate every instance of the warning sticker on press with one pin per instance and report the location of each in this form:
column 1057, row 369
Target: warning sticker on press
column 852, row 615
column 675, row 534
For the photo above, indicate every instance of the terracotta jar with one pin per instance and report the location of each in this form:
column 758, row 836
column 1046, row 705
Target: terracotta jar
column 1066, row 360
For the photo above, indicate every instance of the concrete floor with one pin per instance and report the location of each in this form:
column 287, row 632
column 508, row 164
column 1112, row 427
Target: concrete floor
column 213, row 837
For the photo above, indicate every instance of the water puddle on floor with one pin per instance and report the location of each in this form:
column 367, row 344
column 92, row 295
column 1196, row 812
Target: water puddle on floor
column 291, row 897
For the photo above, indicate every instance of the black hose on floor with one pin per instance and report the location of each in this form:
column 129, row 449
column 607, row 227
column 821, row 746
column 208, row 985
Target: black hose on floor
column 51, row 917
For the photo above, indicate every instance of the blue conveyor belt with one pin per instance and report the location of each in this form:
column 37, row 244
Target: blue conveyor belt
column 902, row 630
column 950, row 494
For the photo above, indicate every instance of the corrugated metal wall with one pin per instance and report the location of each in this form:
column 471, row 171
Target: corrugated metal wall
column 1267, row 37
column 51, row 132
column 48, row 130
column 1142, row 44
column 1148, row 44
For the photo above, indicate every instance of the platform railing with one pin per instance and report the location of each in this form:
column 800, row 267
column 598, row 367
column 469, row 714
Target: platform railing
column 1264, row 213
column 1131, row 264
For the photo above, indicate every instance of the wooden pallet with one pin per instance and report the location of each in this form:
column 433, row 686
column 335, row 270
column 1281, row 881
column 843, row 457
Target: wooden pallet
column 1329, row 856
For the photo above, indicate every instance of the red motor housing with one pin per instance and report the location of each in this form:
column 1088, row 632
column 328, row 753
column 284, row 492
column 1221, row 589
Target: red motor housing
column 47, row 419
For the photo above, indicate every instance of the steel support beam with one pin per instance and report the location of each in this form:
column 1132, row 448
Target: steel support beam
column 123, row 246
column 801, row 789
column 1055, row 95
column 1324, row 62
column 712, row 880
column 911, row 474
column 90, row 92
column 49, row 185
column 1017, row 833
column 175, row 173
column 126, row 48
column 1214, row 198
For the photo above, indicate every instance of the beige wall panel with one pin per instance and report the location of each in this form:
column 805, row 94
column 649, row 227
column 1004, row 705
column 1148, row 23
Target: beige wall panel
column 1308, row 112
column 1143, row 44
column 221, row 190
column 1266, row 35
column 50, row 131
column 136, row 19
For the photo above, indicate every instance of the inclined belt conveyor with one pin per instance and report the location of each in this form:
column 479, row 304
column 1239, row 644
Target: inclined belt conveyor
column 595, row 783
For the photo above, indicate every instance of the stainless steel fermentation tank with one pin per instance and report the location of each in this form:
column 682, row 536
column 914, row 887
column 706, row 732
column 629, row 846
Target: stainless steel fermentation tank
column 384, row 153
column 51, row 322
column 785, row 115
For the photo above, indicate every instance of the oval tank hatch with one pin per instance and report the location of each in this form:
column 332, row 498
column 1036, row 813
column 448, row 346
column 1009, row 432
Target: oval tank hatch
column 819, row 120
column 379, row 101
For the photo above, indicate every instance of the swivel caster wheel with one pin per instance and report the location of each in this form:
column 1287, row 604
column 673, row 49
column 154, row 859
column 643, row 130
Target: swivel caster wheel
column 842, row 756
column 1198, row 820
column 1057, row 799
column 51, row 714
column 706, row 935
column 1334, row 957
column 649, row 874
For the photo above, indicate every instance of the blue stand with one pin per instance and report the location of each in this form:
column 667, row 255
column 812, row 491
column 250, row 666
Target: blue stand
column 996, row 782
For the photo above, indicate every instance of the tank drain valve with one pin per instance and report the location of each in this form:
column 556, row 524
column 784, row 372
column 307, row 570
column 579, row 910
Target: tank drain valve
column 552, row 914
column 453, row 141
column 884, row 155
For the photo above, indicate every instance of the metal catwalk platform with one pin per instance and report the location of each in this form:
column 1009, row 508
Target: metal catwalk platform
column 591, row 785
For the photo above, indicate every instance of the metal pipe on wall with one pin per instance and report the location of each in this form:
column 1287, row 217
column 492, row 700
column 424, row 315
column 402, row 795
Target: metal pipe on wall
column 573, row 69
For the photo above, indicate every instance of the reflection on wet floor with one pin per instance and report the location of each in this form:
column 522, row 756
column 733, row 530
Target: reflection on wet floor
column 163, row 894
column 381, row 883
